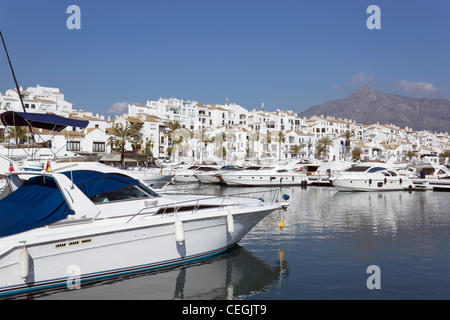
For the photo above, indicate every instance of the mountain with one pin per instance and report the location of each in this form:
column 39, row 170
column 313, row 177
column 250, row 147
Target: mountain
column 368, row 106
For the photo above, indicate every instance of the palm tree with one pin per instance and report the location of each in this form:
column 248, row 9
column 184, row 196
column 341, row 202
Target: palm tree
column 281, row 138
column 207, row 139
column 220, row 138
column 319, row 150
column 323, row 143
column 252, row 137
column 187, row 135
column 148, row 147
column 121, row 135
column 17, row 133
column 171, row 128
column 177, row 143
column 347, row 135
column 356, row 153
column 444, row 155
column 409, row 154
column 296, row 149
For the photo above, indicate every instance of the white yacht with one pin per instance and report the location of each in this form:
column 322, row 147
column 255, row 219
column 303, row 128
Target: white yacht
column 266, row 176
column 81, row 222
column 429, row 176
column 214, row 176
column 370, row 177
column 155, row 178
column 104, row 224
column 189, row 174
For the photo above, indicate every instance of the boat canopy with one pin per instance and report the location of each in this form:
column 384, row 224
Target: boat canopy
column 42, row 121
column 39, row 201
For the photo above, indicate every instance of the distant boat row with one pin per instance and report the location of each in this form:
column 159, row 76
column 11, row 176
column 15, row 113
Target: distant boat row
column 363, row 176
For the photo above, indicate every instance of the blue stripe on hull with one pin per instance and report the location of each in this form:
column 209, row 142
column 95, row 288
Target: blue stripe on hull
column 61, row 282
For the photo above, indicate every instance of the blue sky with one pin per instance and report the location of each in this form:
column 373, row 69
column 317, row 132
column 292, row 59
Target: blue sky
column 288, row 54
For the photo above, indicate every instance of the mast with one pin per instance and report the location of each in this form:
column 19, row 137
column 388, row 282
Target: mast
column 17, row 85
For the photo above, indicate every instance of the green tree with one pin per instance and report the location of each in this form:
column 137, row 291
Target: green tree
column 171, row 128
column 409, row 154
column 296, row 149
column 445, row 154
column 120, row 135
column 347, row 135
column 16, row 133
column 323, row 144
column 281, row 138
column 357, row 152
column 148, row 148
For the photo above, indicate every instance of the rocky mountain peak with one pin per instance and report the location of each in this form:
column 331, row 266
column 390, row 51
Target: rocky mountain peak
column 368, row 106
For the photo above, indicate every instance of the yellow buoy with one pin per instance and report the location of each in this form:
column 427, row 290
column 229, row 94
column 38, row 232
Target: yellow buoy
column 281, row 224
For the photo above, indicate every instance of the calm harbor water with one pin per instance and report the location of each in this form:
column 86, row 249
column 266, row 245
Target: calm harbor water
column 329, row 240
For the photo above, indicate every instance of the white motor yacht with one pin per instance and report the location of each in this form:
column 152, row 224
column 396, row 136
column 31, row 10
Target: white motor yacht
column 79, row 222
column 156, row 178
column 189, row 174
column 266, row 176
column 214, row 176
column 370, row 177
column 429, row 176
column 87, row 225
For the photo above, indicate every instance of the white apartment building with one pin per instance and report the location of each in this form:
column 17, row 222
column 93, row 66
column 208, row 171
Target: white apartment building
column 36, row 99
column 238, row 134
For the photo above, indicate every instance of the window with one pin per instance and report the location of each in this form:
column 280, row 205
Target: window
column 132, row 192
column 98, row 147
column 73, row 146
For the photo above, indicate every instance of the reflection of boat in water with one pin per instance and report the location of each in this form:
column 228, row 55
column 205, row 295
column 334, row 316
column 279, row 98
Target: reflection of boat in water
column 233, row 274
column 370, row 177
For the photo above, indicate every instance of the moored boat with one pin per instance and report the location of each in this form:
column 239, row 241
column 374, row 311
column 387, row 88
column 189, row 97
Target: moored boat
column 81, row 222
column 108, row 224
column 266, row 176
column 370, row 177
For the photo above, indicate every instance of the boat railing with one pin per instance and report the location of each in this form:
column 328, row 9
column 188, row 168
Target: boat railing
column 174, row 208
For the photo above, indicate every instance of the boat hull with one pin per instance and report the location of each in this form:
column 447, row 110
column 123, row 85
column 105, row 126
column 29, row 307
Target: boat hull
column 371, row 184
column 207, row 178
column 265, row 180
column 113, row 251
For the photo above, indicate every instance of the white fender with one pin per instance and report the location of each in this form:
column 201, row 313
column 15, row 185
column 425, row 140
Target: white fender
column 24, row 263
column 230, row 223
column 179, row 231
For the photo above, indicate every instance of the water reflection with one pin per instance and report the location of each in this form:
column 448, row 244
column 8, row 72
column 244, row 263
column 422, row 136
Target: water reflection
column 328, row 240
column 231, row 275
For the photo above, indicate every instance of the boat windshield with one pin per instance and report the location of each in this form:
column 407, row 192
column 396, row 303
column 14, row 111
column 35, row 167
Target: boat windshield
column 376, row 169
column 357, row 169
column 132, row 192
column 206, row 169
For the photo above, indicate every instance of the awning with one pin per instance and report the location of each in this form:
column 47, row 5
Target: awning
column 39, row 201
column 39, row 120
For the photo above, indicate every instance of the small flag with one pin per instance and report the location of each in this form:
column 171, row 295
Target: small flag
column 47, row 167
column 11, row 168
